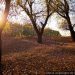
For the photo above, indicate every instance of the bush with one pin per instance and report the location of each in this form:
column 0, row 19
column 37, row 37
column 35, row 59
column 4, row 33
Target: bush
column 49, row 32
column 16, row 29
column 26, row 30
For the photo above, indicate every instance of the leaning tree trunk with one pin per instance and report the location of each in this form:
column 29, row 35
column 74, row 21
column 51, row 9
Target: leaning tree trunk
column 0, row 54
column 4, row 20
column 71, row 28
column 39, row 39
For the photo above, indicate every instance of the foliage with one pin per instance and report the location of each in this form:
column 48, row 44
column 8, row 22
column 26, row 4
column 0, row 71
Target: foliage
column 16, row 30
column 49, row 32
column 7, row 29
column 25, row 30
column 63, row 23
column 28, row 30
column 19, row 2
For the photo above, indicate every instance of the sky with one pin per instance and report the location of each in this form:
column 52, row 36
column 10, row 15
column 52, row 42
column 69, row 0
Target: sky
column 22, row 18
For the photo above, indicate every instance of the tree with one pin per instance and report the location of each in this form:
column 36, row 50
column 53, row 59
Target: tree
column 62, row 8
column 28, row 7
column 4, row 20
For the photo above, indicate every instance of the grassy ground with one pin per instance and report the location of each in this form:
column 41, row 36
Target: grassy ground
column 24, row 56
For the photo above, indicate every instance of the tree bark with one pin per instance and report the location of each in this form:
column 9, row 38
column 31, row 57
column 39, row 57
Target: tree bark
column 71, row 28
column 0, row 55
column 39, row 40
column 5, row 14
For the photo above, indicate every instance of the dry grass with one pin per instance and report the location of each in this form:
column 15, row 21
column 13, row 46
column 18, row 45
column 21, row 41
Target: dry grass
column 24, row 56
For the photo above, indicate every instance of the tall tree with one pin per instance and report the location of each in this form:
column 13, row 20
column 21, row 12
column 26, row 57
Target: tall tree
column 28, row 6
column 4, row 20
column 62, row 8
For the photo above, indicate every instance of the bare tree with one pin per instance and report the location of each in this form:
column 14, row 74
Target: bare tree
column 62, row 8
column 34, row 15
column 4, row 20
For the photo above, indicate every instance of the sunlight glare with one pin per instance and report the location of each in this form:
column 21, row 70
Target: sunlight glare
column 1, row 20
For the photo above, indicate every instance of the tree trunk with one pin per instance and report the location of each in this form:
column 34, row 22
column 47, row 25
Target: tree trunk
column 5, row 14
column 72, row 33
column 39, row 40
column 0, row 55
column 71, row 29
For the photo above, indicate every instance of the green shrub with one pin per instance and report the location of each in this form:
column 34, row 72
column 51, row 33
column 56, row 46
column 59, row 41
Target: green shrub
column 17, row 30
column 28, row 30
column 49, row 32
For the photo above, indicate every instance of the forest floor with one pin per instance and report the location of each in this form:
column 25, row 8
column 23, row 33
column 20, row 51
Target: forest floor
column 24, row 56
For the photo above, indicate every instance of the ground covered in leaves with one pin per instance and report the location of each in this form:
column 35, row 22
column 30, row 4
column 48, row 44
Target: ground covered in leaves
column 24, row 56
